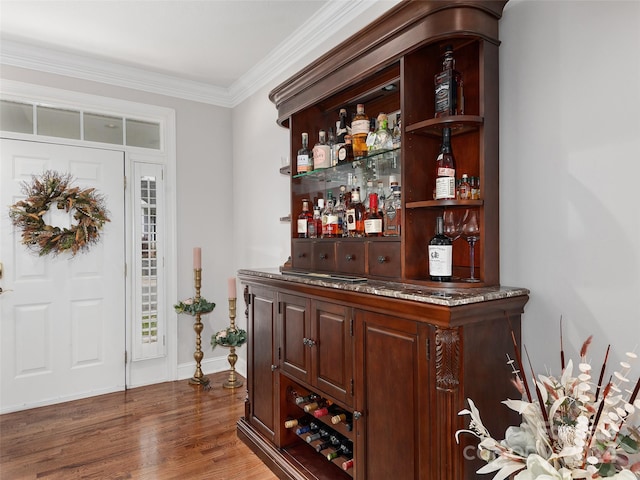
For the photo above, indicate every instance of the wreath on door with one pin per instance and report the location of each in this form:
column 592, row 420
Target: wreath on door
column 56, row 189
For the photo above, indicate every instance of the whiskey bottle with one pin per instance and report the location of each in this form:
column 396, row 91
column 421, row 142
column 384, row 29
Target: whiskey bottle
column 329, row 219
column 448, row 87
column 345, row 151
column 440, row 254
column 341, row 126
column 333, row 148
column 359, row 131
column 315, row 227
column 371, row 136
column 445, row 169
column 303, row 220
column 341, row 209
column 393, row 213
column 373, row 220
column 464, row 190
column 304, row 160
column 355, row 215
column 321, row 152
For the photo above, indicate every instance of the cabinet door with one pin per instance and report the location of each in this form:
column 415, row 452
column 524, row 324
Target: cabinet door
column 332, row 359
column 295, row 355
column 262, row 388
column 388, row 394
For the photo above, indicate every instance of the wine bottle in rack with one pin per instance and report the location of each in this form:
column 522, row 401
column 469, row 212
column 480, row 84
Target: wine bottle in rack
column 297, row 422
column 316, row 404
column 347, row 464
column 322, row 446
column 322, row 433
column 344, row 449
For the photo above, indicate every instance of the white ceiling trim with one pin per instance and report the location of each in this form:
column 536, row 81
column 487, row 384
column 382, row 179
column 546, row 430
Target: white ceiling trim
column 320, row 27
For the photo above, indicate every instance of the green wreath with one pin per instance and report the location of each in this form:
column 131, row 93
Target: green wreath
column 53, row 188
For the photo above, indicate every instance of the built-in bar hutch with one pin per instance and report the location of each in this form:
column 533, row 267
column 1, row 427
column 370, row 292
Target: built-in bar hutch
column 354, row 329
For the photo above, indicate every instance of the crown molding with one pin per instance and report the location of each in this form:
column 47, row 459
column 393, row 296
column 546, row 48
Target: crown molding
column 315, row 31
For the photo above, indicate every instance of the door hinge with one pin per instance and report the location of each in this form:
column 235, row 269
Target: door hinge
column 352, row 387
column 428, row 350
column 351, row 326
column 279, row 353
column 279, row 308
column 125, row 182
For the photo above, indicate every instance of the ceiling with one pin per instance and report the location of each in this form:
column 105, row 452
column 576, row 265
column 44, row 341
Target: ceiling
column 219, row 50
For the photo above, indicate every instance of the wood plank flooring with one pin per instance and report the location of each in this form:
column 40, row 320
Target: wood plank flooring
column 166, row 431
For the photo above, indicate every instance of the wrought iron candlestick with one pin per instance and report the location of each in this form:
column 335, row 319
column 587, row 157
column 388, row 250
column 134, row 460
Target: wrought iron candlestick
column 233, row 381
column 198, row 378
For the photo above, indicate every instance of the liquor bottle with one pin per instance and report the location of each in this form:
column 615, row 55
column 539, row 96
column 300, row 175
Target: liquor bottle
column 381, row 197
column 440, row 254
column 475, row 188
column 371, row 136
column 304, row 160
column 359, row 131
column 315, row 227
column 465, row 188
column 321, row 152
column 445, row 169
column 303, row 220
column 355, row 215
column 393, row 213
column 341, row 126
column 383, row 138
column 449, row 87
column 329, row 219
column 341, row 209
column 373, row 220
column 333, row 148
column 396, row 134
column 345, row 151
column 369, row 190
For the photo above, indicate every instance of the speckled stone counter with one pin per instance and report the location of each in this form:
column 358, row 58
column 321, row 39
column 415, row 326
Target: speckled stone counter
column 445, row 297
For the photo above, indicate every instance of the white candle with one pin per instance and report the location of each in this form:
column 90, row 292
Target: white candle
column 232, row 287
column 197, row 258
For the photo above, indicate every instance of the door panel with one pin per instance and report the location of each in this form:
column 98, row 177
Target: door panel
column 63, row 317
column 296, row 358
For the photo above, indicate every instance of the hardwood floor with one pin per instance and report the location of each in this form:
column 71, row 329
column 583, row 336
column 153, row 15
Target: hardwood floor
column 165, row 431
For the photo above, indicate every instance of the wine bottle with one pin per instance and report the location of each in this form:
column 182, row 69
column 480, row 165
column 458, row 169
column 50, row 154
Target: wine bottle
column 297, row 422
column 347, row 464
column 305, row 399
column 440, row 254
column 304, row 159
column 445, row 169
column 303, row 220
column 448, row 87
column 322, row 446
column 319, row 403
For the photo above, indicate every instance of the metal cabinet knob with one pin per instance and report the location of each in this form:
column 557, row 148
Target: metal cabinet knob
column 349, row 257
column 302, row 255
column 308, row 342
column 382, row 259
column 357, row 415
column 274, row 368
column 323, row 256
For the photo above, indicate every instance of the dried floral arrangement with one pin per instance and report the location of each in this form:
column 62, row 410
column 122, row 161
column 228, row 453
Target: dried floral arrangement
column 193, row 306
column 574, row 428
column 53, row 188
column 229, row 337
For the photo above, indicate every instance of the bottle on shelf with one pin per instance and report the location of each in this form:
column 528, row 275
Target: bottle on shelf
column 449, row 92
column 304, row 159
column 359, row 131
column 392, row 219
column 341, row 126
column 465, row 188
column 383, row 139
column 321, row 152
column 316, row 404
column 345, row 151
column 373, row 219
column 369, row 190
column 396, row 133
column 329, row 218
column 303, row 220
column 347, row 464
column 322, row 446
column 341, row 209
column 440, row 254
column 297, row 422
column 344, row 449
column 343, row 417
column 321, row 433
column 300, row 399
column 333, row 149
column 315, row 227
column 371, row 136
column 445, row 188
column 475, row 188
column 381, row 197
column 355, row 215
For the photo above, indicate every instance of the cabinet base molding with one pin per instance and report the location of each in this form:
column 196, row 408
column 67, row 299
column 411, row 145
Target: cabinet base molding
column 281, row 462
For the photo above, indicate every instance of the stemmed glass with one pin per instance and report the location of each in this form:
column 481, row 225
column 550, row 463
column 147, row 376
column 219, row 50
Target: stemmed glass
column 452, row 219
column 471, row 233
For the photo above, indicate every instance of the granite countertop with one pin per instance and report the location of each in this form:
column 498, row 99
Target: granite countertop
column 449, row 297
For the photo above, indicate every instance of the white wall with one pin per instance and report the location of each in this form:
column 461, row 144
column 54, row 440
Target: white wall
column 570, row 160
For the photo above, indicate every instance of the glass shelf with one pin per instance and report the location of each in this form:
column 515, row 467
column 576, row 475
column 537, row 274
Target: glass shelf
column 376, row 165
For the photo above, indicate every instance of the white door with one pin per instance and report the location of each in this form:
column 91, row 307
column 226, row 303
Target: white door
column 62, row 318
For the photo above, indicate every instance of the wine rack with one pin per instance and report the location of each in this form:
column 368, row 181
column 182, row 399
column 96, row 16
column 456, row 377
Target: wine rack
column 330, row 446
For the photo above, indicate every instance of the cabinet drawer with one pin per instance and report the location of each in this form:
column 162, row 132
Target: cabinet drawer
column 350, row 257
column 324, row 256
column 301, row 251
column 384, row 259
